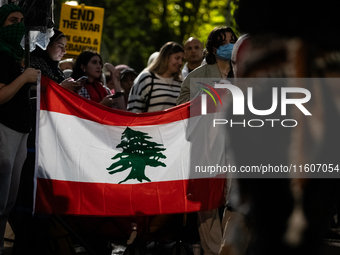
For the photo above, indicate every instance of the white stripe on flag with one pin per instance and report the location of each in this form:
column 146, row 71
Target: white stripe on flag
column 75, row 149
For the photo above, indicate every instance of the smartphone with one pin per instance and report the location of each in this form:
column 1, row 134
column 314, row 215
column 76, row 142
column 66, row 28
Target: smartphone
column 83, row 78
column 118, row 94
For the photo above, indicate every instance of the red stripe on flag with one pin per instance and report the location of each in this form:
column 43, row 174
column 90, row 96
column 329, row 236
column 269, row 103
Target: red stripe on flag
column 102, row 199
column 55, row 98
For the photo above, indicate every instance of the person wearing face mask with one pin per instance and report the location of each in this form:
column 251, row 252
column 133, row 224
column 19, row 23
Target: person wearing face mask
column 15, row 108
column 28, row 228
column 219, row 47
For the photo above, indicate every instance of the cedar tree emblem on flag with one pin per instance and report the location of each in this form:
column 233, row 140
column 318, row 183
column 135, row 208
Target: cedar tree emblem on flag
column 137, row 153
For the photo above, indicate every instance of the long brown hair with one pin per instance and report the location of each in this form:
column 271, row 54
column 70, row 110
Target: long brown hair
column 160, row 64
column 83, row 59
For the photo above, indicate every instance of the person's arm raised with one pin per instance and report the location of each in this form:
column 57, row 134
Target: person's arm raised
column 120, row 102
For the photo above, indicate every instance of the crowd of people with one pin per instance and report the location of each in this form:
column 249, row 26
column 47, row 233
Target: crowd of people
column 165, row 83
column 156, row 88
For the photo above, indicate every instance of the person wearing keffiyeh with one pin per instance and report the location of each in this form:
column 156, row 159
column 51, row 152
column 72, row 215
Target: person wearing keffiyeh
column 48, row 60
column 15, row 109
column 89, row 63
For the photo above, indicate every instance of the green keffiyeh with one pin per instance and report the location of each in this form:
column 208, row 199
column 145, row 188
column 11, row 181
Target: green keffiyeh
column 11, row 35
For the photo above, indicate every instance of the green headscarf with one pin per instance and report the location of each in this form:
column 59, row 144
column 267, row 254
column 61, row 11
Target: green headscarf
column 11, row 35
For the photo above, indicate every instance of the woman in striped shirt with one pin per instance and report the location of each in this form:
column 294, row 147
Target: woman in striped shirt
column 158, row 86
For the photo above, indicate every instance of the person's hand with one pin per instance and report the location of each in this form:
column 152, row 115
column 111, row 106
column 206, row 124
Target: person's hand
column 72, row 85
column 114, row 73
column 109, row 101
column 31, row 74
column 110, row 68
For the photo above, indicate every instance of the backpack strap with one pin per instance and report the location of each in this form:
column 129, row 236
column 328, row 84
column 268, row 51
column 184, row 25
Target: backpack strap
column 150, row 92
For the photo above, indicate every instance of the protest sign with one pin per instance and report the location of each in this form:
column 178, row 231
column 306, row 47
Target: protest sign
column 83, row 26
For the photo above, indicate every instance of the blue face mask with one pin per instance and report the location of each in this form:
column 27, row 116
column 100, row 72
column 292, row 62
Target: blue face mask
column 224, row 52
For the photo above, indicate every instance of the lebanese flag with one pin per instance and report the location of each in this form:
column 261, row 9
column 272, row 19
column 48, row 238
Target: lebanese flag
column 93, row 160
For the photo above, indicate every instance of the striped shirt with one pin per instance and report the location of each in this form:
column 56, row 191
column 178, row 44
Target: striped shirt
column 163, row 96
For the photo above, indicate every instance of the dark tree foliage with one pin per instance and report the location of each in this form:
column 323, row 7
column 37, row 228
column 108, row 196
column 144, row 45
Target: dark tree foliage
column 134, row 29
